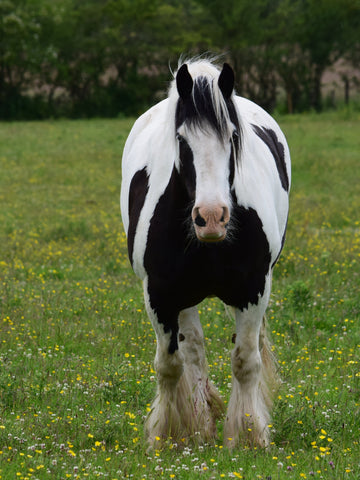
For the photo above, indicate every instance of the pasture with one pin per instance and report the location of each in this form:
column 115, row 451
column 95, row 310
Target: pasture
column 77, row 349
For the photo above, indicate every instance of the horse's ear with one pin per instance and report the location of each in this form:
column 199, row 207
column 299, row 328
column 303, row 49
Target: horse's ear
column 184, row 82
column 226, row 80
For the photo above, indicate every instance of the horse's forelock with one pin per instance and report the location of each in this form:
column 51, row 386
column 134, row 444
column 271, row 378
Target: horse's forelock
column 206, row 108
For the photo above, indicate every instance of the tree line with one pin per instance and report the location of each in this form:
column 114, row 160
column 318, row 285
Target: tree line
column 80, row 58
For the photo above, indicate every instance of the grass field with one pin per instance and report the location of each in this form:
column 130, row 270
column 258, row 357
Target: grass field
column 76, row 348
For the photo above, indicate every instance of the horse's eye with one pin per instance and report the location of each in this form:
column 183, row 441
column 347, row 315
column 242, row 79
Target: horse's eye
column 179, row 138
column 235, row 136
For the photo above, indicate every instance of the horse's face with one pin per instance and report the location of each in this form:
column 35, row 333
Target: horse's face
column 208, row 144
column 205, row 166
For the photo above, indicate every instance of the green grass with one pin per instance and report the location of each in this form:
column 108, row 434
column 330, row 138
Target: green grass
column 76, row 347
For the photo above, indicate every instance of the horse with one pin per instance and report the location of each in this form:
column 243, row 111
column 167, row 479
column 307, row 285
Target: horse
column 204, row 203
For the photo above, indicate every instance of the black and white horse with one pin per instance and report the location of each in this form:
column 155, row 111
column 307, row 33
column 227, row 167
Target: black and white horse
column 204, row 202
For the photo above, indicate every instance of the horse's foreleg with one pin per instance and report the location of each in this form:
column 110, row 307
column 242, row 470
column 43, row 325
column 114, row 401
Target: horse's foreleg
column 165, row 419
column 207, row 404
column 172, row 413
column 248, row 410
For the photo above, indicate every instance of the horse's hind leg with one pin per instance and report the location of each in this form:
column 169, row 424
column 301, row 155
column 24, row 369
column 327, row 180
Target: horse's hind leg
column 207, row 404
column 248, row 410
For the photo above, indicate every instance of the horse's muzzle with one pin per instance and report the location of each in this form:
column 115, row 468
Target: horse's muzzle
column 210, row 223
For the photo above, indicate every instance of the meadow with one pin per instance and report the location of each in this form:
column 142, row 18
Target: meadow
column 77, row 349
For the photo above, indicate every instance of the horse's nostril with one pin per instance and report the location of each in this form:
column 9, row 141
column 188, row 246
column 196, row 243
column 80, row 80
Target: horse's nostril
column 200, row 221
column 225, row 216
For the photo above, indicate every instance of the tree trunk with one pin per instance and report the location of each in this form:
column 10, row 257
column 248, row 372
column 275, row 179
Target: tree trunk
column 315, row 100
column 290, row 107
column 346, row 89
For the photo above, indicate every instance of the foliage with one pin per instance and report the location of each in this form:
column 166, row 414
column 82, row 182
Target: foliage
column 110, row 57
column 325, row 31
column 19, row 55
column 90, row 58
column 293, row 40
column 77, row 349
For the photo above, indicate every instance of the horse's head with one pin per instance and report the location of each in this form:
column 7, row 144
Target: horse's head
column 208, row 133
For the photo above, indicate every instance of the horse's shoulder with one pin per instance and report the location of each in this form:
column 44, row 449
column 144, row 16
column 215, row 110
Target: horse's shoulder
column 143, row 138
column 146, row 121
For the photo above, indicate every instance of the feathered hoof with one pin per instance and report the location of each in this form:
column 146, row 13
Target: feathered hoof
column 248, row 434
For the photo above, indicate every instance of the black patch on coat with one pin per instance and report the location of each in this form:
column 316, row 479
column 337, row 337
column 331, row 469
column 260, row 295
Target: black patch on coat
column 183, row 271
column 187, row 169
column 138, row 189
column 268, row 136
column 235, row 149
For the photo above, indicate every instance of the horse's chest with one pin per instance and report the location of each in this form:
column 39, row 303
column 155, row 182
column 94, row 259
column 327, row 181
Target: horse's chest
column 187, row 271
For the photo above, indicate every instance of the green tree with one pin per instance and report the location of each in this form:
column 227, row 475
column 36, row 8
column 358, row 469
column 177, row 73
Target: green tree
column 324, row 30
column 246, row 32
column 73, row 36
column 144, row 39
column 20, row 54
column 284, row 42
column 111, row 56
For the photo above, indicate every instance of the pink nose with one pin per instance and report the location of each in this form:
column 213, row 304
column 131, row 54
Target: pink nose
column 210, row 222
